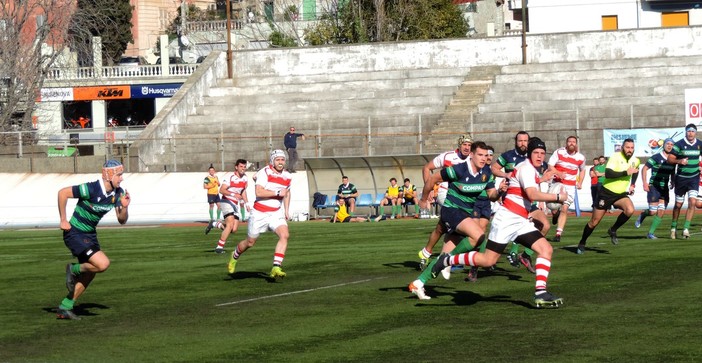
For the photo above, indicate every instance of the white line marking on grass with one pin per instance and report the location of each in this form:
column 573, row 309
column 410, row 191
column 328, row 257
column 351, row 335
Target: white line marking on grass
column 300, row 291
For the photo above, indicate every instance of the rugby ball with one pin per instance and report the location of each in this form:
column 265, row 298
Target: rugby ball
column 554, row 188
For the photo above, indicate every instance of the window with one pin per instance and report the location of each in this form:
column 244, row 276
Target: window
column 675, row 19
column 610, row 22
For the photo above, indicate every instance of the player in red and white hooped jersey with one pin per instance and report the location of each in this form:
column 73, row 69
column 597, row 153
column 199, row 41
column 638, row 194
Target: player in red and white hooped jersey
column 270, row 211
column 233, row 191
column 511, row 223
column 569, row 166
column 443, row 160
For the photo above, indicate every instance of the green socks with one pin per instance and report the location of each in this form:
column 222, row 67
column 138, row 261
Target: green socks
column 656, row 221
column 75, row 268
column 67, row 304
column 211, row 214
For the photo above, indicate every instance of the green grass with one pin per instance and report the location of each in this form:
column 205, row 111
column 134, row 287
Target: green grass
column 167, row 298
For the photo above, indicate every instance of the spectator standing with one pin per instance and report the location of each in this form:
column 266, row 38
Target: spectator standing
column 594, row 180
column 290, row 142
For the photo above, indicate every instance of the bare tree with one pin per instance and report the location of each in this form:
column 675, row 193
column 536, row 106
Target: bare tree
column 34, row 38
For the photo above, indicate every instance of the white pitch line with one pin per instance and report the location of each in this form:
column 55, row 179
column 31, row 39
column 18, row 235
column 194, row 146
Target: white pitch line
column 300, row 291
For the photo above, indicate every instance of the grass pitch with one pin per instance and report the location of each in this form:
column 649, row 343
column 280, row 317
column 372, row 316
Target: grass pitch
column 167, row 298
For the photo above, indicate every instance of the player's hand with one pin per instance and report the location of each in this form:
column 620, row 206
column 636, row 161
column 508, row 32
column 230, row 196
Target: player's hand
column 282, row 192
column 631, row 190
column 564, row 195
column 632, row 170
column 64, row 225
column 646, row 187
column 126, row 199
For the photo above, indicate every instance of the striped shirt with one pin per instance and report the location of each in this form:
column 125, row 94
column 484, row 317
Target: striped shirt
column 465, row 186
column 523, row 176
column 683, row 149
column 661, row 170
column 569, row 164
column 271, row 179
column 446, row 159
column 93, row 204
column 235, row 184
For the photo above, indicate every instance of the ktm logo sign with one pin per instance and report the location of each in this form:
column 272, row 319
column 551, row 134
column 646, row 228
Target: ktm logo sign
column 100, row 93
column 110, row 92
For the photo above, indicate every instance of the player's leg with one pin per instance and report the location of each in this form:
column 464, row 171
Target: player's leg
column 280, row 227
column 538, row 243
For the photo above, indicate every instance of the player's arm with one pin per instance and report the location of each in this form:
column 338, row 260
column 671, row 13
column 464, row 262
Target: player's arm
column 581, row 178
column 224, row 190
column 673, row 159
column 644, row 175
column 122, row 208
column 286, row 203
column 63, row 196
column 207, row 183
column 535, row 195
column 429, row 185
column 497, row 169
column 427, row 170
column 262, row 192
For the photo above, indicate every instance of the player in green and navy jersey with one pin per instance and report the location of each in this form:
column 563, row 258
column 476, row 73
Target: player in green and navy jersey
column 686, row 155
column 657, row 188
column 95, row 199
column 467, row 182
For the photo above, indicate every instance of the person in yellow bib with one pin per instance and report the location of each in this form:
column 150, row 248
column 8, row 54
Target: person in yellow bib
column 621, row 173
column 211, row 183
column 342, row 215
column 392, row 195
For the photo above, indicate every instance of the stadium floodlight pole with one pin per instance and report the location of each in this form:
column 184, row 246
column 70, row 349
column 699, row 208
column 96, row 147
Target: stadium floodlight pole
column 524, row 26
column 228, row 8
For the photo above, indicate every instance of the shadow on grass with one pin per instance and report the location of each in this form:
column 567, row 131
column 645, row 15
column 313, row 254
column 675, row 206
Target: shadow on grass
column 466, row 298
column 414, row 265
column 574, row 249
column 248, row 275
column 81, row 310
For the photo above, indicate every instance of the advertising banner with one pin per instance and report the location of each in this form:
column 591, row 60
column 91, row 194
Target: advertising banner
column 693, row 106
column 55, row 94
column 647, row 142
column 155, row 90
column 101, row 93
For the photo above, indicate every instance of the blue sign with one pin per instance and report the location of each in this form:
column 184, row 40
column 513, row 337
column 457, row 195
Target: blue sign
column 155, row 90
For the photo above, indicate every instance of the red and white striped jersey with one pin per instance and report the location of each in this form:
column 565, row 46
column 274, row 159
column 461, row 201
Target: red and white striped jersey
column 449, row 158
column 235, row 184
column 569, row 165
column 271, row 179
column 522, row 177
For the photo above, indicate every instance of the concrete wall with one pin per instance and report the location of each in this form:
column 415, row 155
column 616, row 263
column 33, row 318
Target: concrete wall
column 159, row 198
column 29, row 200
column 541, row 48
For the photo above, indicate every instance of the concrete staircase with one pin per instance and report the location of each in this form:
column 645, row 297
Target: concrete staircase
column 456, row 119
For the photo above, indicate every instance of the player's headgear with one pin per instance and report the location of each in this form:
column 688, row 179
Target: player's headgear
column 691, row 127
column 535, row 143
column 668, row 140
column 465, row 138
column 276, row 154
column 111, row 168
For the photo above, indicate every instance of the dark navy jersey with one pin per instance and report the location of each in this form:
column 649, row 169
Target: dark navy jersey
column 93, row 204
column 464, row 187
column 509, row 159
